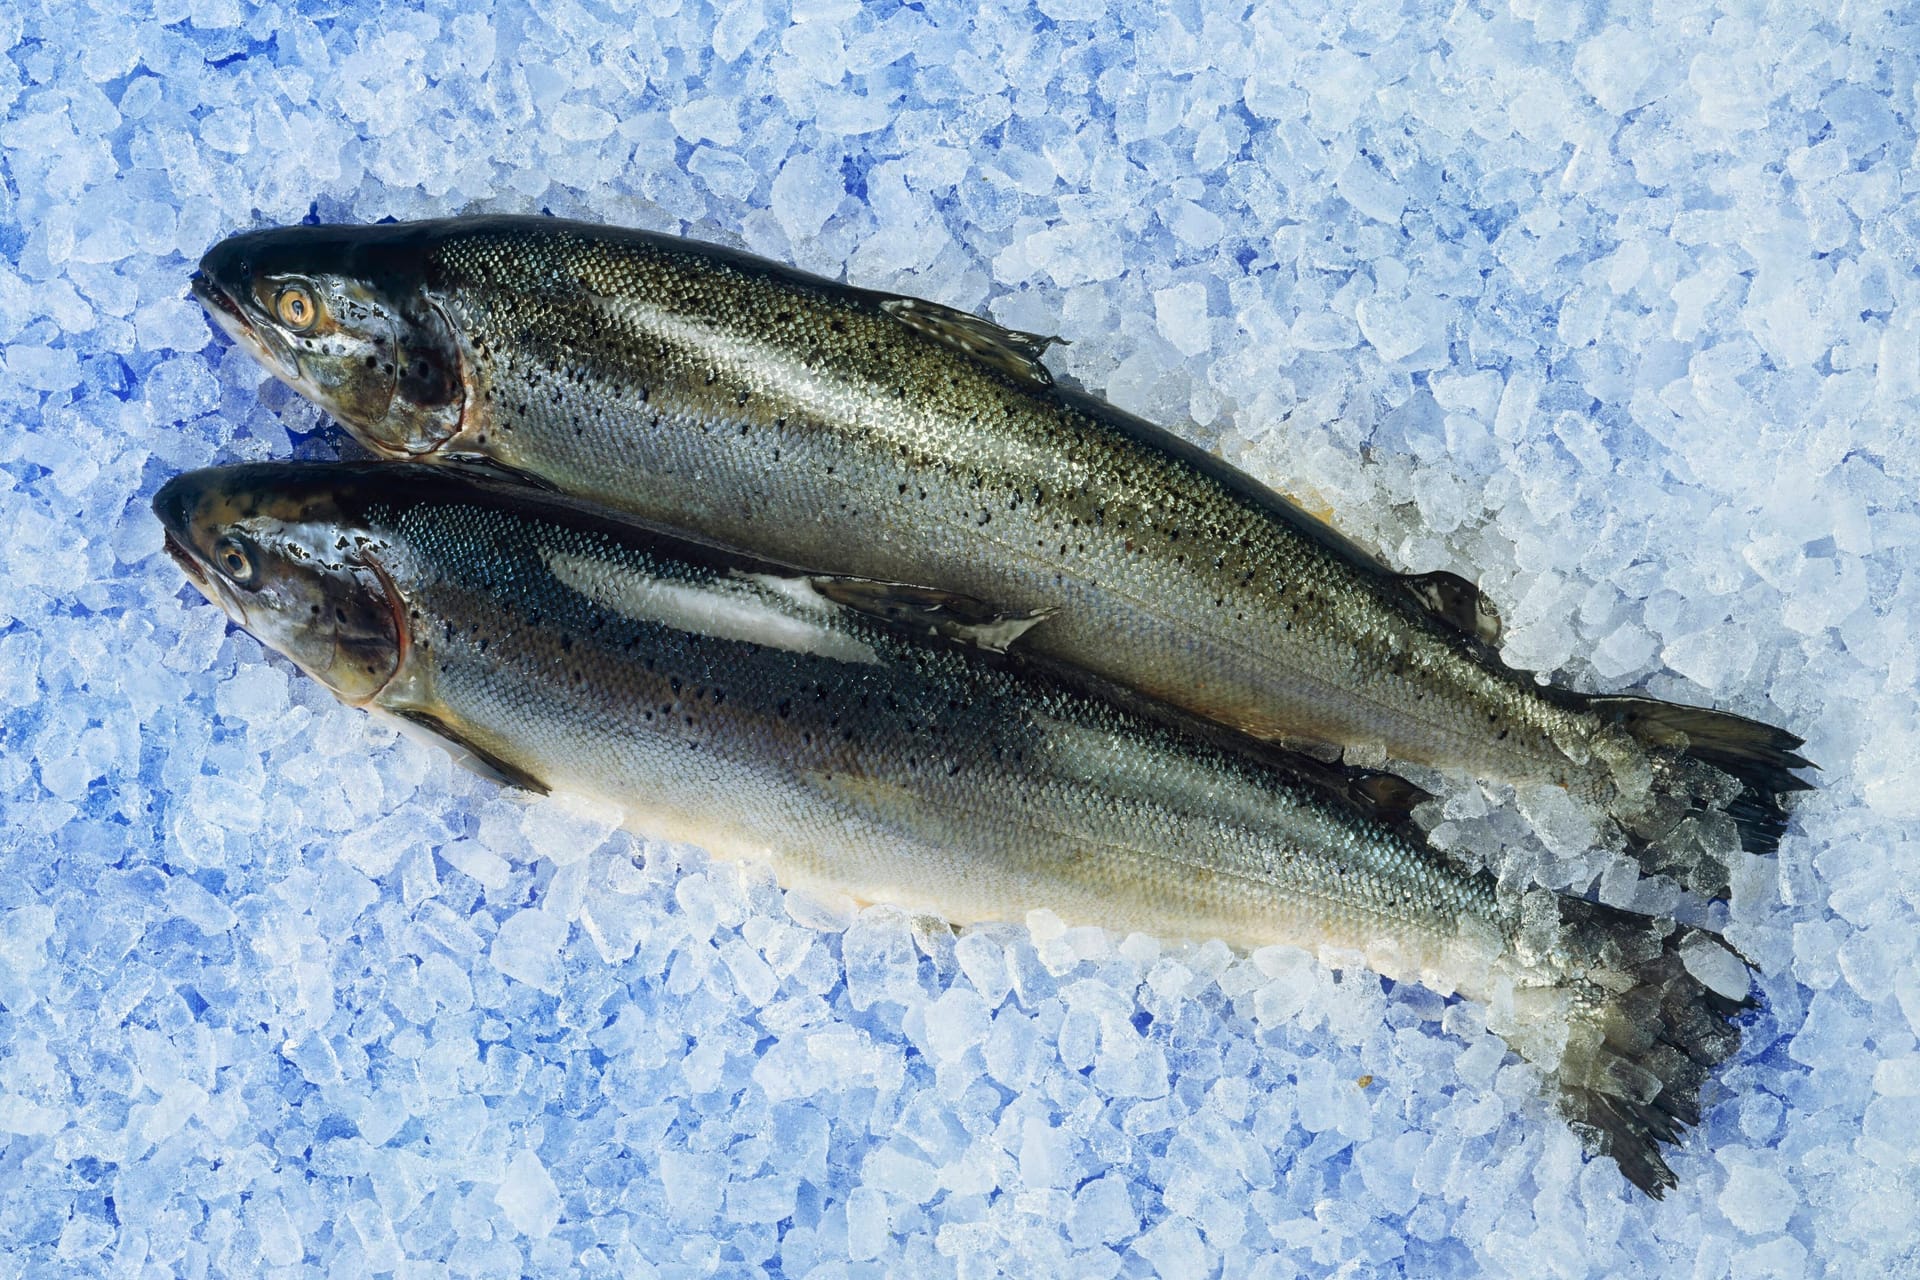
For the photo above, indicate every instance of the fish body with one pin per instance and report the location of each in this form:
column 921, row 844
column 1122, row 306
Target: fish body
column 868, row 434
column 765, row 714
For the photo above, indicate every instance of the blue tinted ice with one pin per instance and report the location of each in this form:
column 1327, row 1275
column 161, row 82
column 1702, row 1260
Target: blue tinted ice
column 1611, row 310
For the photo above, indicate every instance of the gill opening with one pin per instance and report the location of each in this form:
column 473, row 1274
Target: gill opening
column 402, row 633
column 465, row 376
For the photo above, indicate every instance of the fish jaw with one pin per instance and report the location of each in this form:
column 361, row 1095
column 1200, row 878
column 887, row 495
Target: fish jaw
column 228, row 317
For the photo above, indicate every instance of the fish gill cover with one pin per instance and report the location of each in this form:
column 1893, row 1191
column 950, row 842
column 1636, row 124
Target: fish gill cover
column 1610, row 309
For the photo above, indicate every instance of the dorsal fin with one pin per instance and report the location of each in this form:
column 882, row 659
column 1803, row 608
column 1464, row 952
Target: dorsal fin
column 959, row 617
column 1452, row 598
column 1011, row 352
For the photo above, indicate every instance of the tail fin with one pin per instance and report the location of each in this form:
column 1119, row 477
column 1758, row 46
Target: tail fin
column 1704, row 763
column 1645, row 1032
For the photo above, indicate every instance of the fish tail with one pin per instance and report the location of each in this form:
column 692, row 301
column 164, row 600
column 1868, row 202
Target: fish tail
column 1709, row 766
column 1650, row 1016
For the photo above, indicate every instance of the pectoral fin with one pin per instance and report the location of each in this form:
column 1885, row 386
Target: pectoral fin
column 1009, row 351
column 956, row 616
column 424, row 725
column 491, row 468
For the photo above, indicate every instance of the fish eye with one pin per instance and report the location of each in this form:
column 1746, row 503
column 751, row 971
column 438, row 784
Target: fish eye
column 236, row 560
column 294, row 307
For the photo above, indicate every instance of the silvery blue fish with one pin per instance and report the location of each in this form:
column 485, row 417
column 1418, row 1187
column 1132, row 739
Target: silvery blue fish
column 866, row 738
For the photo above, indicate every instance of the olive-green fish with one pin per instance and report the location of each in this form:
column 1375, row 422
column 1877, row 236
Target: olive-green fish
column 785, row 717
column 864, row 433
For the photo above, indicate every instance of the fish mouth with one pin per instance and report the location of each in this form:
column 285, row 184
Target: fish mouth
column 173, row 505
column 218, row 302
column 231, row 319
column 206, row 583
column 183, row 556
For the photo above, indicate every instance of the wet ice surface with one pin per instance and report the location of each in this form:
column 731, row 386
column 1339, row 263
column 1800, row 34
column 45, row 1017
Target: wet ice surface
column 1613, row 312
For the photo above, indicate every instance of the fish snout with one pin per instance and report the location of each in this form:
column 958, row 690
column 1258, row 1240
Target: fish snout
column 221, row 280
column 175, row 502
column 226, row 267
column 174, row 506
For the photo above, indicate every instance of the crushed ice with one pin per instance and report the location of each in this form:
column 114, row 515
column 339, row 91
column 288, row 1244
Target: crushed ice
column 1614, row 313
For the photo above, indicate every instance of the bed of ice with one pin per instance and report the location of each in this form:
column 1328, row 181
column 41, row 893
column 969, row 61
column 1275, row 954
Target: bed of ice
column 1613, row 309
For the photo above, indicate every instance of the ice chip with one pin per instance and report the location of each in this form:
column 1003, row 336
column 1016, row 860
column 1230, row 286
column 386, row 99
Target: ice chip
column 315, row 1059
column 868, row 1224
column 380, row 1246
column 566, row 829
column 528, row 1197
column 1718, row 968
column 1408, row 331
column 24, row 933
column 256, row 694
column 472, row 858
column 1756, row 1199
column 1175, row 1250
column 1615, row 66
column 806, row 192
column 726, row 174
column 187, row 898
column 179, row 389
column 956, row 1021
column 1181, row 314
column 527, row 948
column 1781, row 1258
column 823, row 912
column 581, row 122
column 1371, row 192
column 376, row 849
column 43, row 368
column 280, row 1243
column 1045, row 1154
column 1103, row 1213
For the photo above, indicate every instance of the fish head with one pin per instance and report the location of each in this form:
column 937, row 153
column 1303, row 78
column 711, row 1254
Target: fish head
column 282, row 556
column 342, row 315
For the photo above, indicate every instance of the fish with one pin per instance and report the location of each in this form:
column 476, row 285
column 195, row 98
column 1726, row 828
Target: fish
column 895, row 754
column 882, row 436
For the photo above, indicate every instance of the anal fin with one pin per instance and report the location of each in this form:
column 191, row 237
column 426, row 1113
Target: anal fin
column 956, row 616
column 1390, row 797
column 1313, row 748
column 1008, row 351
